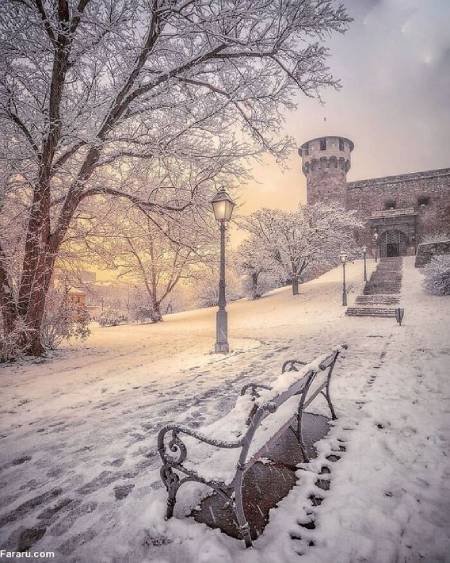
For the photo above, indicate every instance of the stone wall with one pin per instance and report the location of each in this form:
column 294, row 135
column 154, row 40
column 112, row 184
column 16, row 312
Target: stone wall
column 405, row 191
column 426, row 251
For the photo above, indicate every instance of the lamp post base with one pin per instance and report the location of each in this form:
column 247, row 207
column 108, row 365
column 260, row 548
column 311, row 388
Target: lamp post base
column 222, row 346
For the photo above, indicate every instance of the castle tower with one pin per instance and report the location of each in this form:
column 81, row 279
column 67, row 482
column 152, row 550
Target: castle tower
column 325, row 163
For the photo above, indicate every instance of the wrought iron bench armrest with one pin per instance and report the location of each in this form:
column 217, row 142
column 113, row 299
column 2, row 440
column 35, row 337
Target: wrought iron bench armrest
column 253, row 387
column 175, row 441
column 290, row 365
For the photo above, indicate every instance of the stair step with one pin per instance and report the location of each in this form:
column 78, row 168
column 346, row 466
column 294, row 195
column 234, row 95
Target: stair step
column 370, row 312
column 377, row 299
column 386, row 280
column 385, row 290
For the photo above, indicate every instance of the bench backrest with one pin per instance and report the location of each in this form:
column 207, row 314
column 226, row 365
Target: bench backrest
column 295, row 385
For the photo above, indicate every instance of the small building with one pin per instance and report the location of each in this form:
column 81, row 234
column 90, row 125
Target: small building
column 77, row 298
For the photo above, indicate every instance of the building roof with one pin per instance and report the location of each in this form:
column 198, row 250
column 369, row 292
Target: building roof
column 75, row 291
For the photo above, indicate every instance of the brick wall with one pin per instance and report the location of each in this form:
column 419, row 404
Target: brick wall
column 405, row 191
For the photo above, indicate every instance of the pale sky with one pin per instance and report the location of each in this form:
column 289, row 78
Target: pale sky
column 394, row 64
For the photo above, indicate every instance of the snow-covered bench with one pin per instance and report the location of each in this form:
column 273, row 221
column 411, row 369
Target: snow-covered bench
column 239, row 439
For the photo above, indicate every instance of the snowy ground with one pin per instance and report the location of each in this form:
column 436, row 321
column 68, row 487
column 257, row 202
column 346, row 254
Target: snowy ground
column 79, row 466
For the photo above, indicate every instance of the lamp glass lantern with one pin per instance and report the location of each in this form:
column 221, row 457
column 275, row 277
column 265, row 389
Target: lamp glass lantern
column 222, row 205
column 343, row 257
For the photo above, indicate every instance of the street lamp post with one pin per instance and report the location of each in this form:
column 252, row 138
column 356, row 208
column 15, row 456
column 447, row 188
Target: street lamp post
column 223, row 208
column 365, row 266
column 343, row 258
column 375, row 240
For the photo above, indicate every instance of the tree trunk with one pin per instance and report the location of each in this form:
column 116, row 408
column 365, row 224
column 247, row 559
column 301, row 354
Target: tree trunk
column 7, row 304
column 33, row 314
column 156, row 313
column 295, row 286
column 255, row 293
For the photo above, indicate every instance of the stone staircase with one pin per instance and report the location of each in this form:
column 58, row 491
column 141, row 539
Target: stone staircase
column 381, row 292
column 387, row 278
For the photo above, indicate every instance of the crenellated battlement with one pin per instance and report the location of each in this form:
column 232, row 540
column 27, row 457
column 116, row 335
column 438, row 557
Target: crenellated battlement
column 324, row 163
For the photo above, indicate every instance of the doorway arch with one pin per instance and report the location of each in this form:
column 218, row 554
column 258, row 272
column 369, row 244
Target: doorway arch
column 393, row 243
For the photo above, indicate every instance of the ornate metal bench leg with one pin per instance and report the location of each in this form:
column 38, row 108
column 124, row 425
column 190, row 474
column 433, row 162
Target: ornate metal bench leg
column 299, row 432
column 171, row 500
column 171, row 482
column 330, row 404
column 300, row 437
column 244, row 527
column 327, row 389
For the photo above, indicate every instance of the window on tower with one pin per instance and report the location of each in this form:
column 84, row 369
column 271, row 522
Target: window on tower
column 389, row 204
column 323, row 144
column 423, row 201
column 305, row 149
column 341, row 144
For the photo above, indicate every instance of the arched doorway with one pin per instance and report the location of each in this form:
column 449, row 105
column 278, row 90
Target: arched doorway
column 393, row 243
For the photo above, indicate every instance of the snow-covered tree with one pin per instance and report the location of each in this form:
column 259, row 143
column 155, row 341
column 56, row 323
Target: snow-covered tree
column 295, row 241
column 151, row 257
column 94, row 93
column 437, row 275
column 256, row 266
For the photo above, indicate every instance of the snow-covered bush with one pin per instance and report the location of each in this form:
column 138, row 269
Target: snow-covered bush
column 13, row 344
column 437, row 275
column 145, row 314
column 63, row 320
column 256, row 284
column 257, row 269
column 141, row 314
column 206, row 290
column 111, row 317
column 436, row 237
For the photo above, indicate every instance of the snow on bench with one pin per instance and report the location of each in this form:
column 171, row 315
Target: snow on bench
column 219, row 454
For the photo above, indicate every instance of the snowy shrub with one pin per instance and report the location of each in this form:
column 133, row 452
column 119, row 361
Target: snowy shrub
column 436, row 237
column 259, row 272
column 63, row 320
column 206, row 290
column 437, row 275
column 255, row 285
column 142, row 314
column 111, row 317
column 13, row 344
column 145, row 314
